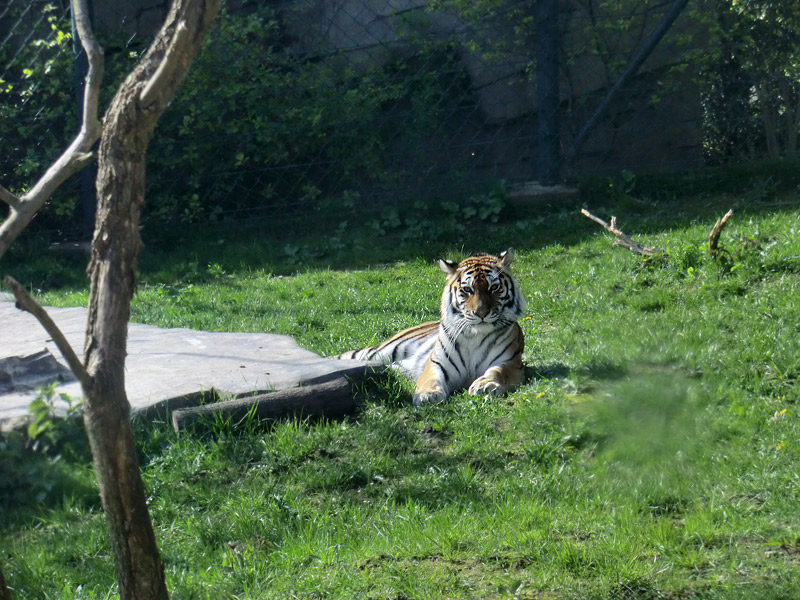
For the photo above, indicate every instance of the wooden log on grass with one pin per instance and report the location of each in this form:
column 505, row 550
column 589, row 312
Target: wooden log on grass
column 331, row 399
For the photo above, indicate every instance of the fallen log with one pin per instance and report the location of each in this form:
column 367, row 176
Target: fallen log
column 331, row 399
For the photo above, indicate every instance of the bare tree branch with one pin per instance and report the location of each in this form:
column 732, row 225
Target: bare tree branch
column 94, row 53
column 29, row 305
column 173, row 58
column 76, row 156
column 22, row 212
column 127, row 128
column 125, row 133
column 713, row 237
column 621, row 238
column 177, row 57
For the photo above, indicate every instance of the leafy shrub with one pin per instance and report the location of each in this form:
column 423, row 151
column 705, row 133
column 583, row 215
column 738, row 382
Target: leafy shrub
column 749, row 81
column 30, row 460
column 258, row 127
column 37, row 103
column 254, row 125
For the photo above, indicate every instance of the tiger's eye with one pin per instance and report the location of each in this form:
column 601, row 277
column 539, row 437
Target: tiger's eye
column 465, row 289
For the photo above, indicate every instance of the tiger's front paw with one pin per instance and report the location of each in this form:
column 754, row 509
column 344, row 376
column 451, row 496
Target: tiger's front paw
column 434, row 395
column 484, row 385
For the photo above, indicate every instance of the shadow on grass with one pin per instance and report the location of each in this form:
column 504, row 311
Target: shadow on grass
column 37, row 478
column 341, row 238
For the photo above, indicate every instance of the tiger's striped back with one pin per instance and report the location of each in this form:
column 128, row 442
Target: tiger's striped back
column 477, row 343
column 407, row 350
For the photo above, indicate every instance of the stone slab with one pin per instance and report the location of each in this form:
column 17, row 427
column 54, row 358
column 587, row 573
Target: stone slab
column 164, row 366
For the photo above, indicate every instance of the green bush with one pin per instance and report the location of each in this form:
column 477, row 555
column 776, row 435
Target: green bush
column 37, row 104
column 750, row 81
column 273, row 129
column 256, row 126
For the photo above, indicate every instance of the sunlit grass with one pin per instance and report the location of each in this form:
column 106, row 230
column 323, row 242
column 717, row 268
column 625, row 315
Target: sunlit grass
column 652, row 453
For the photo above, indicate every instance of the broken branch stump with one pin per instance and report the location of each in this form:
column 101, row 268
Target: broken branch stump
column 332, row 399
column 713, row 237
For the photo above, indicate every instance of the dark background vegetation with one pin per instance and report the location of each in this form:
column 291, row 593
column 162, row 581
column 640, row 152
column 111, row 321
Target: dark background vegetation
column 652, row 453
column 267, row 129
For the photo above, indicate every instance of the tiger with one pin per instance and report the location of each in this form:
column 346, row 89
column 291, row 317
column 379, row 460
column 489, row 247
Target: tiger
column 477, row 343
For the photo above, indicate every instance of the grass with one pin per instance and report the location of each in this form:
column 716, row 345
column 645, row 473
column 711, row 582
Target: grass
column 652, row 454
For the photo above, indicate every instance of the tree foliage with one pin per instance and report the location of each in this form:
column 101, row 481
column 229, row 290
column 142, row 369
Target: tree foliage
column 257, row 124
column 37, row 103
column 282, row 129
column 752, row 80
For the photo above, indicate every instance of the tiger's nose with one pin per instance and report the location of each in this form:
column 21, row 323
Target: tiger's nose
column 481, row 312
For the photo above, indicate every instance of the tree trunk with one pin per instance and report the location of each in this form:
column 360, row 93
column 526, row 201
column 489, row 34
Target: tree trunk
column 4, row 594
column 128, row 126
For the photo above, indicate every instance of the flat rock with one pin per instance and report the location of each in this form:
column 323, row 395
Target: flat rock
column 164, row 366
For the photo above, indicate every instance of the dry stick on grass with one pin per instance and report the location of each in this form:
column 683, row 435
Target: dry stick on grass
column 713, row 237
column 621, row 238
column 29, row 305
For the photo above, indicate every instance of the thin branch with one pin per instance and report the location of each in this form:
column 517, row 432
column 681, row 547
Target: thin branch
column 79, row 152
column 168, row 65
column 28, row 304
column 94, row 53
column 713, row 237
column 25, row 210
column 621, row 238
column 69, row 163
column 8, row 197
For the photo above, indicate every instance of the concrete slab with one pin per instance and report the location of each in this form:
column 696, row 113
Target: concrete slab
column 164, row 366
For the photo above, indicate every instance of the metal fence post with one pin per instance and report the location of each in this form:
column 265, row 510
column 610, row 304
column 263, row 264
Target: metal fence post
column 547, row 68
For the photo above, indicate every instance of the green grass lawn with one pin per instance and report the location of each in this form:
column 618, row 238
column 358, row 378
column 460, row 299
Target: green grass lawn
column 653, row 453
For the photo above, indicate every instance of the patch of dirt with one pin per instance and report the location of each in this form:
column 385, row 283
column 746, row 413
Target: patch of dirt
column 790, row 552
column 436, row 438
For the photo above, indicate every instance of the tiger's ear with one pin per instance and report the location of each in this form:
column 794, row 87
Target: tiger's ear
column 506, row 258
column 448, row 266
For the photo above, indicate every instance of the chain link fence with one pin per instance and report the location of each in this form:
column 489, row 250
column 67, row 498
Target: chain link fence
column 299, row 104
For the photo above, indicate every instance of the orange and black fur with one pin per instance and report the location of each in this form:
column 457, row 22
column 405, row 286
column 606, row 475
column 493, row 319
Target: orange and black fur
column 477, row 344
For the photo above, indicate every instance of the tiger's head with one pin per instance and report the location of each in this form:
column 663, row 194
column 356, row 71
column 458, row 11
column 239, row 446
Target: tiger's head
column 481, row 291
